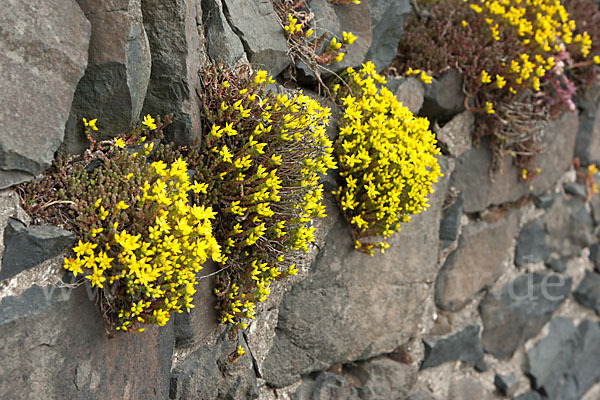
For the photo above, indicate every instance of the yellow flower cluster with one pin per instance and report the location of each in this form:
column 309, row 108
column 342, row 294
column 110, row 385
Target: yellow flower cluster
column 422, row 75
column 149, row 273
column 266, row 153
column 543, row 29
column 387, row 158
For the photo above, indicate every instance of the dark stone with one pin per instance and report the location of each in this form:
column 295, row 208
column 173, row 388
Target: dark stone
column 325, row 386
column 363, row 311
column 544, row 201
column 192, row 327
column 463, row 346
column 520, row 310
column 576, row 189
column 558, row 264
column 595, row 255
column 115, row 83
column 566, row 363
column 54, row 345
column 257, row 26
column 451, row 220
column 507, row 384
column 588, row 291
column 44, row 54
column 387, row 19
column 478, row 261
column 222, row 44
column 531, row 244
column 588, row 136
column 472, row 175
column 444, row 97
column 26, row 247
column 214, row 372
column 176, row 46
column 481, row 366
column 528, row 396
column 569, row 226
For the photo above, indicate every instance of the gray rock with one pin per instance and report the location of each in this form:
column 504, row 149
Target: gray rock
column 566, row 363
column 366, row 305
column 114, row 85
column 472, row 176
column 520, row 310
column 54, row 346
column 481, row 366
column 595, row 255
column 569, row 226
column 192, row 328
column 176, row 46
column 387, row 19
column 332, row 19
column 528, row 396
column 44, row 54
column 463, row 346
column 478, row 262
column 214, row 372
column 444, row 97
column 588, row 137
column 28, row 246
column 558, row 264
column 455, row 137
column 468, row 389
column 326, row 386
column 222, row 44
column 588, row 291
column 544, row 201
column 576, row 189
column 409, row 91
column 450, row 222
column 507, row 384
column 263, row 38
column 531, row 244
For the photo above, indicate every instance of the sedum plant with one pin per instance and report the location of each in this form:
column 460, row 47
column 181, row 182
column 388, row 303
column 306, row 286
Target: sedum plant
column 386, row 157
column 261, row 157
column 141, row 242
column 520, row 60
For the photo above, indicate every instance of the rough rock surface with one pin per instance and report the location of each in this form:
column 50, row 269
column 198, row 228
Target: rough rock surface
column 28, row 246
column 566, row 363
column 520, row 310
column 44, row 54
column 216, row 372
column 462, row 346
column 333, row 19
column 478, row 262
column 588, row 291
column 507, row 384
column 471, row 175
column 115, row 83
column 444, row 97
column 587, row 147
column 263, row 38
column 53, row 346
column 409, row 91
column 455, row 137
column 531, row 244
column 387, row 19
column 222, row 44
column 364, row 309
column 176, row 44
column 569, row 226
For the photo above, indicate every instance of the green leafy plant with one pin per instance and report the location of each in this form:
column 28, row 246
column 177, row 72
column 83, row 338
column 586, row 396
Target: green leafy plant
column 386, row 156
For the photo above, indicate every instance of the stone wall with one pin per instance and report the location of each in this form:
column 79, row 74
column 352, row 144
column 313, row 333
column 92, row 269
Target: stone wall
column 493, row 292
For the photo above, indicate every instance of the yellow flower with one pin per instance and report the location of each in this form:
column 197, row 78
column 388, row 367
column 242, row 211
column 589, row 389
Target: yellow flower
column 149, row 122
column 485, row 77
column 119, row 142
column 348, row 37
column 90, row 124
